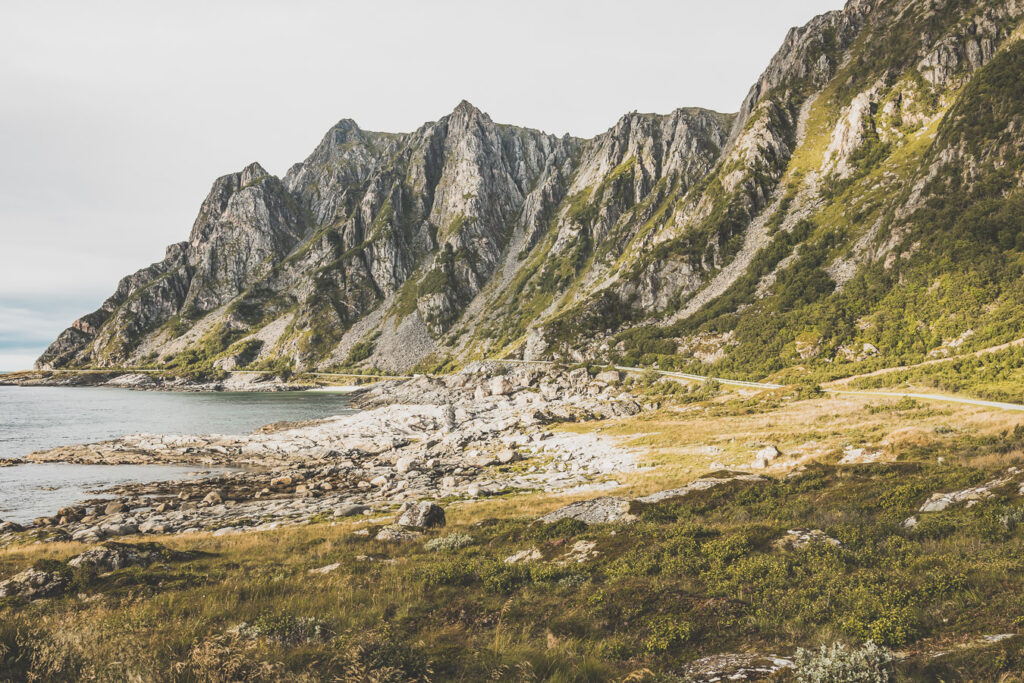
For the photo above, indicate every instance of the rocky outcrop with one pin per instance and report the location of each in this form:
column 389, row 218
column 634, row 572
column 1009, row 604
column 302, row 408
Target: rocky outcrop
column 597, row 511
column 112, row 556
column 609, row 509
column 33, row 584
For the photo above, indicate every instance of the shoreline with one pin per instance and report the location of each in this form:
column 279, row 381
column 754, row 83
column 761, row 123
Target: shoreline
column 467, row 436
column 152, row 380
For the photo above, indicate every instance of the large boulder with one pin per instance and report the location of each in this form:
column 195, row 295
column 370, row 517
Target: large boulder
column 609, row 376
column 423, row 515
column 597, row 511
column 406, row 463
column 213, row 498
column 500, row 386
column 114, row 508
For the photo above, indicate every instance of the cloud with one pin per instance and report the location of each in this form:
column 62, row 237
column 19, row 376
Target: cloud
column 10, row 362
column 29, row 324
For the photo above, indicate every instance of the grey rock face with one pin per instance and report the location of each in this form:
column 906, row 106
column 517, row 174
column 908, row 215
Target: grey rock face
column 411, row 227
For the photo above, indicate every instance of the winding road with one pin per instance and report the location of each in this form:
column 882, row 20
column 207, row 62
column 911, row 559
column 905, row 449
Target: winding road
column 768, row 386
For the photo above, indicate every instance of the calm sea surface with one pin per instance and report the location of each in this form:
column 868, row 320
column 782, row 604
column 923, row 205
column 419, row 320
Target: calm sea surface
column 36, row 418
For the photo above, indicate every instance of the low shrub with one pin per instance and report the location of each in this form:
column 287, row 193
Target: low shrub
column 454, row 541
column 840, row 664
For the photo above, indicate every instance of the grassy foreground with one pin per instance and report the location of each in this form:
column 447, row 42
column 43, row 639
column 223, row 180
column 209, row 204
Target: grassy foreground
column 691, row 577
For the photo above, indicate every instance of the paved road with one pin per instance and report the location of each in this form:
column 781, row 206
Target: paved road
column 934, row 397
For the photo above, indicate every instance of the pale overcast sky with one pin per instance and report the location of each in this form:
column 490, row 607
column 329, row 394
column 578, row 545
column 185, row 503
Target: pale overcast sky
column 116, row 116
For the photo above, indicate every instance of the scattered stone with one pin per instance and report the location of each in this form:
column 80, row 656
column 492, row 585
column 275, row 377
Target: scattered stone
column 326, row 569
column 396, row 534
column 940, row 501
column 734, row 667
column 500, row 386
column 506, row 455
column 801, row 538
column 528, row 555
column 481, row 459
column 405, row 463
column 859, row 456
column 580, row 552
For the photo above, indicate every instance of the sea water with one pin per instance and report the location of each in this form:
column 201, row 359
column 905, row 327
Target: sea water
column 38, row 418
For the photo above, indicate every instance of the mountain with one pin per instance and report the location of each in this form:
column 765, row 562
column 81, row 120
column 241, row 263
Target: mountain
column 863, row 207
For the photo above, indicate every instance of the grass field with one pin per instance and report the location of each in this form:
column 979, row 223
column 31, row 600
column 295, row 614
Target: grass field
column 706, row 574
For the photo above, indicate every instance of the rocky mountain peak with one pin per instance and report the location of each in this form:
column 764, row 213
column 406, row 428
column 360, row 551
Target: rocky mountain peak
column 467, row 109
column 252, row 173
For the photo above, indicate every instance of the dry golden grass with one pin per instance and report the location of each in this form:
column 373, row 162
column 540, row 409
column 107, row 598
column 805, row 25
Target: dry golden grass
column 679, row 444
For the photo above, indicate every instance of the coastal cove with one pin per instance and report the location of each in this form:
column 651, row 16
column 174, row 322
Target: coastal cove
column 40, row 418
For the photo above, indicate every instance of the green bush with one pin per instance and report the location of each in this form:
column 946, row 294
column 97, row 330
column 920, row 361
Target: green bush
column 666, row 633
column 455, row 572
column 563, row 528
column 287, row 629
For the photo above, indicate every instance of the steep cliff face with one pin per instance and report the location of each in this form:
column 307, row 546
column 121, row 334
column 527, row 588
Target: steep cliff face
column 784, row 234
column 798, row 248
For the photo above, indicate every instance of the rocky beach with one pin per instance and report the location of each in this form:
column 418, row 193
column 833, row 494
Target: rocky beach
column 478, row 433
